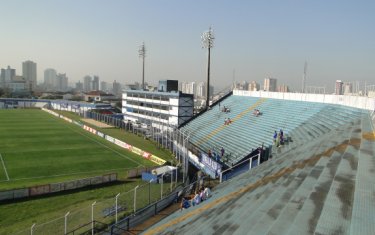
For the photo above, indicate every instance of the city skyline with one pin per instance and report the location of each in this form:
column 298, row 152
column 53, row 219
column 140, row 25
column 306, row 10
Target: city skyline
column 254, row 39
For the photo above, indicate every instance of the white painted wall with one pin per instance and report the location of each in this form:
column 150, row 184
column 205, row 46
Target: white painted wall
column 350, row 101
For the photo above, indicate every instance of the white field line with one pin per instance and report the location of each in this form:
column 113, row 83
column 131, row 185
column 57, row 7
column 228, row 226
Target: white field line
column 5, row 169
column 118, row 153
column 77, row 173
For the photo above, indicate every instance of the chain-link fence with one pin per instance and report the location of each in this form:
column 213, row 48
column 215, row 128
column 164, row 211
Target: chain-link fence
column 100, row 214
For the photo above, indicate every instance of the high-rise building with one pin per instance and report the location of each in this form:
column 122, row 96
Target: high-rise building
column 79, row 86
column 116, row 90
column 270, row 84
column 241, row 85
column 254, row 86
column 29, row 73
column 95, row 83
column 348, row 88
column 87, row 83
column 6, row 76
column 189, row 88
column 50, row 77
column 201, row 90
column 339, row 87
column 283, row 88
column 104, row 86
column 62, row 82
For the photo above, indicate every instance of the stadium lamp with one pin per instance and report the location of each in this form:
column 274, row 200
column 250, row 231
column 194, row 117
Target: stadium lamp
column 208, row 42
column 142, row 54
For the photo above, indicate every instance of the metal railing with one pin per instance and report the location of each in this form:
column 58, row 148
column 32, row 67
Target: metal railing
column 239, row 168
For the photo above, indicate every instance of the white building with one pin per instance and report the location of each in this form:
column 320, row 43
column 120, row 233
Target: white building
column 157, row 108
column 6, row 76
column 189, row 88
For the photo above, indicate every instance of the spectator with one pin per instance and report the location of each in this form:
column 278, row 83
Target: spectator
column 281, row 136
column 209, row 153
column 202, row 195
column 274, row 137
column 184, row 204
column 196, row 200
column 222, row 151
column 229, row 121
column 207, row 192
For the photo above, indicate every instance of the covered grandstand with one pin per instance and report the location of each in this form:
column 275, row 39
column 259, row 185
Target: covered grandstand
column 321, row 182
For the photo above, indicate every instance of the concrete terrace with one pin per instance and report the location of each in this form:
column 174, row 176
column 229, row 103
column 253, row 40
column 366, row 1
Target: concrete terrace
column 323, row 184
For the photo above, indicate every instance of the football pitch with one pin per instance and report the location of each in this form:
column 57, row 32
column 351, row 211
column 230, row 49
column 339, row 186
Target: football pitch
column 37, row 147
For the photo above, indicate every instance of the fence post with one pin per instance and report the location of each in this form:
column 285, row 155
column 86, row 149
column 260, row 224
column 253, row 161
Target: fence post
column 66, row 223
column 250, row 161
column 221, row 177
column 116, row 205
column 161, row 188
column 32, row 229
column 135, row 198
column 92, row 217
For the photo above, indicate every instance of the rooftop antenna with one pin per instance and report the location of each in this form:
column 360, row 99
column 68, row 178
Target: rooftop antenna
column 304, row 78
column 208, row 42
column 142, row 54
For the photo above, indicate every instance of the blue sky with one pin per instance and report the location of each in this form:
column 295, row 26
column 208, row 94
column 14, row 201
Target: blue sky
column 257, row 39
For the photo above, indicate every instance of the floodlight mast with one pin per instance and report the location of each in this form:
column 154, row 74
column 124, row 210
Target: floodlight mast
column 142, row 54
column 304, row 78
column 208, row 42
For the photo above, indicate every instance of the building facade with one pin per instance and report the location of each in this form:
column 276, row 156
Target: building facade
column 254, row 86
column 157, row 108
column 6, row 76
column 95, row 83
column 62, row 82
column 29, row 73
column 50, row 77
column 270, row 84
column 283, row 88
column 339, row 87
column 87, row 83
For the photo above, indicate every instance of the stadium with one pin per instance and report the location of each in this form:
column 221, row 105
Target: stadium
column 317, row 179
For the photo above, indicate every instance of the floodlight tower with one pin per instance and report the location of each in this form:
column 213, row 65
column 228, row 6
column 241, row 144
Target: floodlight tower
column 304, row 78
column 208, row 42
column 142, row 54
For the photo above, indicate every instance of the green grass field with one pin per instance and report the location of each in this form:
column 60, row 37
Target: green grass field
column 37, row 147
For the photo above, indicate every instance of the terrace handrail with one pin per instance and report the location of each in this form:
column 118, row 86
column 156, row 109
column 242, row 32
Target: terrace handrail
column 249, row 160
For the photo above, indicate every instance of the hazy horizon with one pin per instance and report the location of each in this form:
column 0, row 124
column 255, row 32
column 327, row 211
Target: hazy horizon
column 257, row 39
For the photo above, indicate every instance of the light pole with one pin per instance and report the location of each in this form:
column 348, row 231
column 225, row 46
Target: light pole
column 92, row 217
column 161, row 188
column 208, row 42
column 142, row 54
column 117, row 204
column 135, row 198
column 66, row 223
